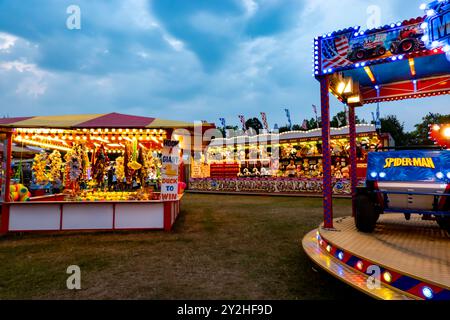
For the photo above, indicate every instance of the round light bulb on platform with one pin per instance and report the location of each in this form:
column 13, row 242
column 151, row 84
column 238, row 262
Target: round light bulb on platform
column 387, row 277
column 359, row 265
column 427, row 292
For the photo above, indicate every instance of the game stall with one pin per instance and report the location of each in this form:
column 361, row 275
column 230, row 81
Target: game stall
column 90, row 172
column 297, row 170
column 395, row 243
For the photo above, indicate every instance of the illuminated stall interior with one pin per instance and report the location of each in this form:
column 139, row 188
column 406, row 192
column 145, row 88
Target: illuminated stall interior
column 302, row 150
column 88, row 157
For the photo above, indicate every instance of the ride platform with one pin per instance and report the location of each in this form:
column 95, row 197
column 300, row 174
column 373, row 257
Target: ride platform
column 400, row 260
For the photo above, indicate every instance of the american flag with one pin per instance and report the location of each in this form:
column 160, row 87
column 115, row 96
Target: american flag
column 264, row 120
column 335, row 52
column 242, row 118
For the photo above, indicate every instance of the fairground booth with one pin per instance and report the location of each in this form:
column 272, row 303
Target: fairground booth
column 244, row 164
column 91, row 172
column 407, row 253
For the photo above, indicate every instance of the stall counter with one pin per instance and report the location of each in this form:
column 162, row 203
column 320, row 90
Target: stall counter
column 93, row 215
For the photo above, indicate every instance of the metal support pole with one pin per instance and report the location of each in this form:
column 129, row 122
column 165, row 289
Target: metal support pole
column 353, row 163
column 7, row 177
column 326, row 151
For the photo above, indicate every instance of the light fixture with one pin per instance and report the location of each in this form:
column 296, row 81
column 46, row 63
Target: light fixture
column 370, row 74
column 387, row 276
column 412, row 67
column 446, row 133
column 427, row 292
column 359, row 265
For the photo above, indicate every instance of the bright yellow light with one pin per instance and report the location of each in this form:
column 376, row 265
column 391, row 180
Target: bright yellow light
column 341, row 87
column 412, row 67
column 387, row 277
column 370, row 74
column 436, row 127
column 354, row 99
column 446, row 133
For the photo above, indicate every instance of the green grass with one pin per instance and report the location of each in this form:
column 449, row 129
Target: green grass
column 222, row 247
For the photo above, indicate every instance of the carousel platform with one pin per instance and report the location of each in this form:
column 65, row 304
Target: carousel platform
column 400, row 260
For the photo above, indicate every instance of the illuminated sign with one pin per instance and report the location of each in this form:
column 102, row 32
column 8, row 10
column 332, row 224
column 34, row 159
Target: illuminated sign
column 409, row 162
column 437, row 25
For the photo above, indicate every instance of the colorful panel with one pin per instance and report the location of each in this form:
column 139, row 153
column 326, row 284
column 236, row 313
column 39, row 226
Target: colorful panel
column 351, row 47
column 417, row 165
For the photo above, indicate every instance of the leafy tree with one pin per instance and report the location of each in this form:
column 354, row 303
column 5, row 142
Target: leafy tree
column 233, row 128
column 254, row 123
column 283, row 129
column 343, row 120
column 390, row 124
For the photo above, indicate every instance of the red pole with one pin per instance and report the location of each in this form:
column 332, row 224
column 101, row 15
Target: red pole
column 353, row 162
column 6, row 197
column 327, row 179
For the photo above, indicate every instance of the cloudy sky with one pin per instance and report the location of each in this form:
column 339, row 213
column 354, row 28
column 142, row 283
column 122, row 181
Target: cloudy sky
column 179, row 59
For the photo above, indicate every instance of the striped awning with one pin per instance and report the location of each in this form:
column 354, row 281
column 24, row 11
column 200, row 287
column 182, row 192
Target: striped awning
column 88, row 121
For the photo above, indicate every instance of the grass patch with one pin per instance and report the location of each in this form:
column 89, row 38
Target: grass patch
column 222, row 247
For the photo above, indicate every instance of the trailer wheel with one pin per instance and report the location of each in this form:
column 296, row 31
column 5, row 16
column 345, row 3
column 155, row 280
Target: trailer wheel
column 444, row 223
column 366, row 214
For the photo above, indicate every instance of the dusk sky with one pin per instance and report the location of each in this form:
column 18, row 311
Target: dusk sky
column 180, row 59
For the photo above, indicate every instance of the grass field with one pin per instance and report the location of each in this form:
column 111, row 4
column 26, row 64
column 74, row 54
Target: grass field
column 222, row 247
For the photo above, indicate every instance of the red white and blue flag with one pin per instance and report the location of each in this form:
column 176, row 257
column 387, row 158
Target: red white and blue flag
column 242, row 119
column 335, row 52
column 264, row 120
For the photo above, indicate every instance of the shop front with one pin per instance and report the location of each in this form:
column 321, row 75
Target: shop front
column 290, row 162
column 90, row 172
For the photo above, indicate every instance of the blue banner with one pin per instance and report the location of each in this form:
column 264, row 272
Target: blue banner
column 409, row 165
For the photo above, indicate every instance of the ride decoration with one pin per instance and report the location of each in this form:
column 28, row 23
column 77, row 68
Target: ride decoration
column 440, row 135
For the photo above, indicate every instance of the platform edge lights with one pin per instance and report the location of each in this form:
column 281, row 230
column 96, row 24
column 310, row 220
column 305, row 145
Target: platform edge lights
column 436, row 26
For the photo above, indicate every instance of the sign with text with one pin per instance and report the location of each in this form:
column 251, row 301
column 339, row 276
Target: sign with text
column 169, row 172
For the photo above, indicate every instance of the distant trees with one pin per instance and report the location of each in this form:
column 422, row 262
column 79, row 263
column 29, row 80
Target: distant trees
column 255, row 124
column 389, row 124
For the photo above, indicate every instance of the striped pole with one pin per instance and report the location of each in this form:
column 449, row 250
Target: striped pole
column 327, row 179
column 353, row 164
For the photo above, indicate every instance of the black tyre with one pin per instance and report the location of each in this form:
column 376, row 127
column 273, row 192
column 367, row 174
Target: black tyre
column 407, row 46
column 381, row 51
column 366, row 215
column 444, row 223
column 360, row 54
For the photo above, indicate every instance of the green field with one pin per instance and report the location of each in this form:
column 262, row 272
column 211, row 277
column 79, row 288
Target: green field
column 222, row 247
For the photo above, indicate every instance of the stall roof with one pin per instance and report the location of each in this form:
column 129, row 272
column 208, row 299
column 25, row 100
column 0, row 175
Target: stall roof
column 87, row 121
